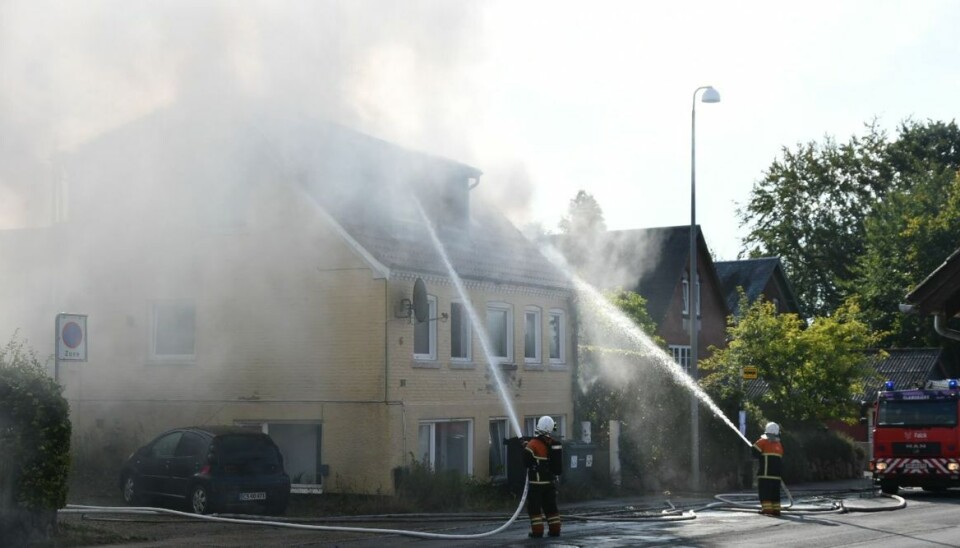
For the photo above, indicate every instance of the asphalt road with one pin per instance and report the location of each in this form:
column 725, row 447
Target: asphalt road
column 926, row 519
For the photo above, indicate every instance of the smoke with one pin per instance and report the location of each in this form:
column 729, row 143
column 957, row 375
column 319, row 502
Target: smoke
column 72, row 72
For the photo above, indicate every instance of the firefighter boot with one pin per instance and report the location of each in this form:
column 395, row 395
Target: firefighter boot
column 553, row 525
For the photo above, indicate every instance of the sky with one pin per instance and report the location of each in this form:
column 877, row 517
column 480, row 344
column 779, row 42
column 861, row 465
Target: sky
column 545, row 97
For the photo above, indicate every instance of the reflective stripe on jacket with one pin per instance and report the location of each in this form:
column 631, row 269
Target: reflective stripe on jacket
column 536, row 458
column 770, row 453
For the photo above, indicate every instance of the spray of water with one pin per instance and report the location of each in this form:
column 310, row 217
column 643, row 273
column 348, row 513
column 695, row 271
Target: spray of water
column 632, row 332
column 492, row 362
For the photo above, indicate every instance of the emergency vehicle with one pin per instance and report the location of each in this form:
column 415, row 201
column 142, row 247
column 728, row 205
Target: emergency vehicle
column 916, row 440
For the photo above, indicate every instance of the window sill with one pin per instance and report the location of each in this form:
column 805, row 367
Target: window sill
column 533, row 366
column 559, row 366
column 171, row 361
column 423, row 364
column 455, row 364
column 508, row 366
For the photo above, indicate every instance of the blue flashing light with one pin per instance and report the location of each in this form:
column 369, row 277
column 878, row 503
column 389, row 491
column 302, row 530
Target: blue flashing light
column 952, row 384
column 888, row 386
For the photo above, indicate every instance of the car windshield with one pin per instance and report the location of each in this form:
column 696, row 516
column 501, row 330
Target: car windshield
column 917, row 413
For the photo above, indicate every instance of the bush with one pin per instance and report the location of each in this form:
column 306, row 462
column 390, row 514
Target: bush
column 424, row 489
column 814, row 453
column 34, row 445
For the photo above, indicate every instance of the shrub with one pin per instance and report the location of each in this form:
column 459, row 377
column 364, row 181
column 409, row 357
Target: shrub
column 34, row 445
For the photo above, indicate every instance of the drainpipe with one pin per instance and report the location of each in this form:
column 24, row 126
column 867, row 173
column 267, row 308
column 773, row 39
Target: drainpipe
column 940, row 327
column 386, row 341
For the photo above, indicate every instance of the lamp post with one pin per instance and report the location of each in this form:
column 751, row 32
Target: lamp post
column 709, row 95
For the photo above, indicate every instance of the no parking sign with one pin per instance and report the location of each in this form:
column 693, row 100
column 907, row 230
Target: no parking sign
column 72, row 337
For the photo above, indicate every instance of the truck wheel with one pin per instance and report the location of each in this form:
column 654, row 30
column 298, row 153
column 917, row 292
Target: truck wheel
column 889, row 487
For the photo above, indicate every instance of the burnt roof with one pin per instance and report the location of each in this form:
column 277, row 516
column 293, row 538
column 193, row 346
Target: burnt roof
column 490, row 249
column 753, row 275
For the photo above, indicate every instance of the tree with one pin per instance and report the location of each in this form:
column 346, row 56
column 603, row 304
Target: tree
column 34, row 446
column 813, row 208
column 583, row 216
column 812, row 372
column 906, row 237
column 581, row 228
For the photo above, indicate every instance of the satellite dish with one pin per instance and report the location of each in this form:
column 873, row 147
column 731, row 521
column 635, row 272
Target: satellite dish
column 421, row 307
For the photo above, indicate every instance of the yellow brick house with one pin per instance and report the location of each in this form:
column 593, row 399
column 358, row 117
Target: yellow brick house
column 258, row 269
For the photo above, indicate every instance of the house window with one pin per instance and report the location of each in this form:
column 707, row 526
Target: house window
column 500, row 330
column 686, row 296
column 498, row 451
column 459, row 332
column 530, row 425
column 300, row 444
column 425, row 334
column 174, row 331
column 681, row 355
column 557, row 336
column 532, row 335
column 446, row 445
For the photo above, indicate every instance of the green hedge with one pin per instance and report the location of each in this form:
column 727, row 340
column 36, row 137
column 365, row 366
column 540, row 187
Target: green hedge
column 34, row 443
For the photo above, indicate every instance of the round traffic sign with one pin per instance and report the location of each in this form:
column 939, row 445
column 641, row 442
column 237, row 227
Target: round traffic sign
column 72, row 334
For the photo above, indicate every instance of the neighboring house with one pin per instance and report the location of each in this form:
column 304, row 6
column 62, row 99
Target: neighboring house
column 258, row 270
column 939, row 296
column 757, row 277
column 655, row 262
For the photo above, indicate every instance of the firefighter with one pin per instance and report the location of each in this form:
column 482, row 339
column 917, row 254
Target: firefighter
column 542, row 497
column 770, row 453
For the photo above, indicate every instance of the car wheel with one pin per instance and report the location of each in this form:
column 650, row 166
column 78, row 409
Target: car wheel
column 199, row 500
column 131, row 492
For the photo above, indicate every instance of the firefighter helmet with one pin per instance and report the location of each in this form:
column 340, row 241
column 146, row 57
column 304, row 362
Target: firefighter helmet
column 772, row 429
column 545, row 425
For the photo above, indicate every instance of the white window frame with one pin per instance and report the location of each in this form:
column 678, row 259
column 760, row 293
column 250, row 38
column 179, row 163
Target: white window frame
column 560, row 421
column 432, row 445
column 537, row 334
column 508, row 308
column 431, row 332
column 502, row 474
column 154, row 327
column 681, row 355
column 562, row 335
column 686, row 296
column 466, row 334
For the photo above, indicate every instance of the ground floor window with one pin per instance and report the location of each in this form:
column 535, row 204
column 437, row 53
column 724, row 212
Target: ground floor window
column 498, row 450
column 446, row 445
column 300, row 445
column 681, row 355
column 530, row 424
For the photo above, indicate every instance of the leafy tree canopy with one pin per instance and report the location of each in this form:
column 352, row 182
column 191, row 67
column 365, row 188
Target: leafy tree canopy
column 814, row 207
column 812, row 372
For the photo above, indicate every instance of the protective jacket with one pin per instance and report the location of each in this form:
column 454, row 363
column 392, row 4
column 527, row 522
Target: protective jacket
column 770, row 453
column 536, row 458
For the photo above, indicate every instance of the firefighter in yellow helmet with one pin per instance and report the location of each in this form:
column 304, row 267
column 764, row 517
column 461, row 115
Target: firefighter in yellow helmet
column 542, row 496
column 770, row 452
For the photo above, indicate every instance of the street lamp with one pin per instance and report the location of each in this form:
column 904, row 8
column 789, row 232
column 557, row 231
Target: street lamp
column 709, row 95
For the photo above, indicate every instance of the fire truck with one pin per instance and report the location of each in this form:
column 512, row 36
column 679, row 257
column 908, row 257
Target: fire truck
column 916, row 439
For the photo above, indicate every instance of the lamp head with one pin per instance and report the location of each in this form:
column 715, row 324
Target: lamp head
column 710, row 95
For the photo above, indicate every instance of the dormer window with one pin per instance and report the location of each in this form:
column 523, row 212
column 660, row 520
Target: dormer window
column 685, row 290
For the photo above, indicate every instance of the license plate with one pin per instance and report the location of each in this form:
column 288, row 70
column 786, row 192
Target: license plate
column 253, row 496
column 915, row 465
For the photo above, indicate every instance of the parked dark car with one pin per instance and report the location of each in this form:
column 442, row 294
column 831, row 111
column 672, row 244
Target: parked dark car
column 208, row 469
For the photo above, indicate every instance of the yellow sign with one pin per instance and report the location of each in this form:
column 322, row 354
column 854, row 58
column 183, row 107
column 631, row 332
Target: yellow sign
column 750, row 372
